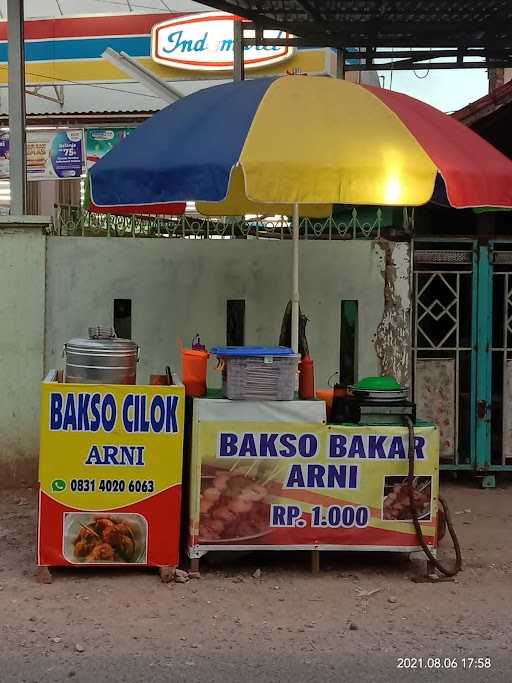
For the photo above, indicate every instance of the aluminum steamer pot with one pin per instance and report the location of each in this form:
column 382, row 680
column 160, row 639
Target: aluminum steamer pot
column 101, row 359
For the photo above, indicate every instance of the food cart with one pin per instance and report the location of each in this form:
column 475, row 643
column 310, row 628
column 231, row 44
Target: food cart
column 275, row 475
column 110, row 473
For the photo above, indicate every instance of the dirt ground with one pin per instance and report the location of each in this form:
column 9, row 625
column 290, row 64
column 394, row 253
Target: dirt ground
column 285, row 625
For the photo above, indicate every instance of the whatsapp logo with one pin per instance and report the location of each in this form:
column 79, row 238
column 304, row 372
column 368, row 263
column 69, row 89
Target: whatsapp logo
column 58, row 485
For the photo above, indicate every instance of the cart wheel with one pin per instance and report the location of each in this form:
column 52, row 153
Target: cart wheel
column 43, row 575
column 167, row 574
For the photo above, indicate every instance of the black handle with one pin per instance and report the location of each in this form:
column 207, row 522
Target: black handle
column 169, row 375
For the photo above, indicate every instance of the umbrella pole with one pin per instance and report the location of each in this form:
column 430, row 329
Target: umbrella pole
column 295, row 280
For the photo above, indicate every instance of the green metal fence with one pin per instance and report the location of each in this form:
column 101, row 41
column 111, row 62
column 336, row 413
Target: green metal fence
column 352, row 224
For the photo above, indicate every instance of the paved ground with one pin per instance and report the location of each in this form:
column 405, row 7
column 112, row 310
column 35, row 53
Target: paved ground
column 285, row 626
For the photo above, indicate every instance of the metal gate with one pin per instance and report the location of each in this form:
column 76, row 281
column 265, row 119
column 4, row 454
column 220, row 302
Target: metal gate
column 462, row 350
column 444, row 344
column 496, row 445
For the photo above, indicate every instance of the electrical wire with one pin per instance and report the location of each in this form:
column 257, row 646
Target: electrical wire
column 414, row 513
column 127, row 5
column 428, row 68
column 91, row 85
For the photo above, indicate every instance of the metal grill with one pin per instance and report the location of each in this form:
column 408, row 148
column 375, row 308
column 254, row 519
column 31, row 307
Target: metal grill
column 431, row 256
column 501, row 394
column 502, row 258
column 442, row 343
column 75, row 221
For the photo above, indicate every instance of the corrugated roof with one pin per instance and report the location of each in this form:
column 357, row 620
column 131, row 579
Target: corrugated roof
column 459, row 32
column 486, row 105
column 413, row 23
column 94, row 98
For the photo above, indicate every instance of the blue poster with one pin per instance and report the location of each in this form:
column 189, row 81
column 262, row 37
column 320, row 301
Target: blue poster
column 66, row 154
column 50, row 154
column 4, row 155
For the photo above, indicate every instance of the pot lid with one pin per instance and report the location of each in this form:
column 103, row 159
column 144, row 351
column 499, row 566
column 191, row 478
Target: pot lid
column 385, row 383
column 115, row 344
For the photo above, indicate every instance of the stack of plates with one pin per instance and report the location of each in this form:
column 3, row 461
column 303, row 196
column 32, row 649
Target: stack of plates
column 380, row 395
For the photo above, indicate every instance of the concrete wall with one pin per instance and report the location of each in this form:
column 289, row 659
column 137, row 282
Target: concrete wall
column 22, row 304
column 180, row 287
column 53, row 288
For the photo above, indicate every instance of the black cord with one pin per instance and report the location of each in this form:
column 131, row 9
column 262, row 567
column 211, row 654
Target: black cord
column 414, row 513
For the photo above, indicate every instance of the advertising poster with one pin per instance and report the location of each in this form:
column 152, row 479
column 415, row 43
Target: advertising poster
column 4, row 155
column 99, row 141
column 301, row 486
column 51, row 155
column 110, row 474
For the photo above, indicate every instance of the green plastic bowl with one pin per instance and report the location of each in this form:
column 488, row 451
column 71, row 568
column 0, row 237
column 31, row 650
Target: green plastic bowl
column 378, row 384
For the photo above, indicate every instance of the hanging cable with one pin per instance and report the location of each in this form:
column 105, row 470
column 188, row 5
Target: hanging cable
column 90, row 85
column 428, row 68
column 128, row 3
column 414, row 513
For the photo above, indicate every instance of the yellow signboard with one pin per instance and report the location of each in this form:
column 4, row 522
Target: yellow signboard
column 299, row 485
column 111, row 455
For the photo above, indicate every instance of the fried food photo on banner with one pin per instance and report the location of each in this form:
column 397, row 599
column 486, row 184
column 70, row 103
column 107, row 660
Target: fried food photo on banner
column 105, row 538
column 396, row 503
column 233, row 504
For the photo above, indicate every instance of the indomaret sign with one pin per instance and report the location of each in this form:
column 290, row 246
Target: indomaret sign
column 204, row 42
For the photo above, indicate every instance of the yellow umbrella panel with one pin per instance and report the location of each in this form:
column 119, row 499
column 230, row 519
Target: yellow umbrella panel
column 236, row 203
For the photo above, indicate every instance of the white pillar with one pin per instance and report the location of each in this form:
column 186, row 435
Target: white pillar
column 295, row 280
column 22, row 311
column 16, row 64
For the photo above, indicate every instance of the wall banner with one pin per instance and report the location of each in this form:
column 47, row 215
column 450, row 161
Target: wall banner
column 99, row 141
column 300, row 485
column 51, row 155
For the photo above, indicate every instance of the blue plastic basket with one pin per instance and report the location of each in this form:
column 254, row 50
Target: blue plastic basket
column 258, row 373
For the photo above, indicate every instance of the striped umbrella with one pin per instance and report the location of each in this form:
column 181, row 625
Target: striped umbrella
column 299, row 144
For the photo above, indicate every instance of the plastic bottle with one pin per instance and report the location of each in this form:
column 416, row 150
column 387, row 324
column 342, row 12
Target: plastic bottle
column 306, row 378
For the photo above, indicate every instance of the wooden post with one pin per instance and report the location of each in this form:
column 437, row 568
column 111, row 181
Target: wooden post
column 340, row 64
column 43, row 575
column 315, row 562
